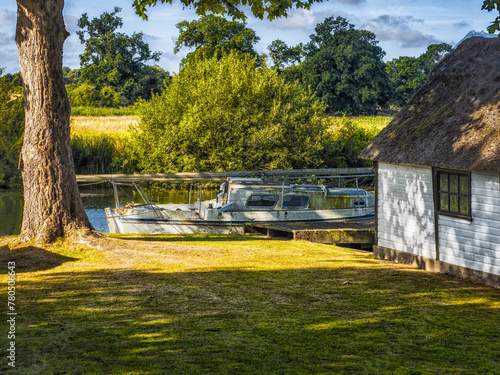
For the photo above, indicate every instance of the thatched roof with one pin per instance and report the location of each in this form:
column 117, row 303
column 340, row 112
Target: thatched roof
column 454, row 120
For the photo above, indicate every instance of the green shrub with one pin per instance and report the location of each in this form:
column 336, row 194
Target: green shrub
column 11, row 135
column 226, row 114
column 82, row 94
column 344, row 141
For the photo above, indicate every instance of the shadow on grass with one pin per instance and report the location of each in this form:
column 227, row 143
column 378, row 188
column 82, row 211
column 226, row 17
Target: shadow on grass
column 30, row 259
column 299, row 321
column 191, row 237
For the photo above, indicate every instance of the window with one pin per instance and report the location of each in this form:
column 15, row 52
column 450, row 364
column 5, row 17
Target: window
column 295, row 201
column 453, row 193
column 262, row 200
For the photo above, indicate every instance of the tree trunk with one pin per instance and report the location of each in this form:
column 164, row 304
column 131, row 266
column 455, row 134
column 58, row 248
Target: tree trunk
column 52, row 204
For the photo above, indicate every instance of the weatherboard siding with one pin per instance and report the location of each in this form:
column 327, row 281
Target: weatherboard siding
column 475, row 244
column 406, row 209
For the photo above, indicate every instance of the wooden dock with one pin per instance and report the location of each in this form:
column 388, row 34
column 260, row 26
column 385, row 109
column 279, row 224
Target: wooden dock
column 331, row 232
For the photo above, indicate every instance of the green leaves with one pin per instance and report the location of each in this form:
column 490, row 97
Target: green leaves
column 259, row 8
column 225, row 114
column 490, row 5
column 344, row 66
column 11, row 134
column 215, row 36
column 116, row 60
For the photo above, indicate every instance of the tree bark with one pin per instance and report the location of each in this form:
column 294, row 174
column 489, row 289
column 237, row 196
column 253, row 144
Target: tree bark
column 52, row 204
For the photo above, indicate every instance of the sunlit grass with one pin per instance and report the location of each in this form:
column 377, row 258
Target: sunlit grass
column 370, row 123
column 242, row 305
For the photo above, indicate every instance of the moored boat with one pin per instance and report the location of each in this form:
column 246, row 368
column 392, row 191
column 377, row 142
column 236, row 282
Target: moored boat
column 240, row 201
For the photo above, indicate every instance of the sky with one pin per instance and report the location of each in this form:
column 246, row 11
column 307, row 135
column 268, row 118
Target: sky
column 402, row 27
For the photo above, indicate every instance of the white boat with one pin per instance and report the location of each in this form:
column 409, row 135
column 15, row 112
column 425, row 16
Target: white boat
column 240, row 201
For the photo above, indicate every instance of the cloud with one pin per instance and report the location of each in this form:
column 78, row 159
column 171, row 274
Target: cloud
column 7, row 18
column 461, row 25
column 400, row 30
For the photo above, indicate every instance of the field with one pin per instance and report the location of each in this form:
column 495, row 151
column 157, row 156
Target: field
column 240, row 305
column 104, row 124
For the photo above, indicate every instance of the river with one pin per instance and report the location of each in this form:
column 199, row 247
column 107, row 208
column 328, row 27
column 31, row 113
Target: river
column 94, row 200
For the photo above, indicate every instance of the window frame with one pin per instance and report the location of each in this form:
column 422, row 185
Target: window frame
column 262, row 195
column 439, row 192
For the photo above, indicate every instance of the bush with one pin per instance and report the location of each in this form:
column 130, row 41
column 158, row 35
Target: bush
column 82, row 95
column 11, row 135
column 226, row 114
column 344, row 141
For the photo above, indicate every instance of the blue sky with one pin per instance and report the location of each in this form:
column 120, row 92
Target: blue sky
column 402, row 27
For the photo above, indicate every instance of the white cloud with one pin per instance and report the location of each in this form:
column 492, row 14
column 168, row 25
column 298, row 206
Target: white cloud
column 401, row 30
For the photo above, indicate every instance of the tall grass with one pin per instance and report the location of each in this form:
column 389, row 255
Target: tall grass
column 97, row 152
column 105, row 111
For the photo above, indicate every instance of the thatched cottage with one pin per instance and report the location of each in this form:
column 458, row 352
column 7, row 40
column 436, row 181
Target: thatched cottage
column 437, row 169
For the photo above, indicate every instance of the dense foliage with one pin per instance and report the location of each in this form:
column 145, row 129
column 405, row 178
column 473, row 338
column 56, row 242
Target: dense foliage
column 113, row 64
column 11, row 133
column 225, row 114
column 408, row 74
column 215, row 36
column 344, row 66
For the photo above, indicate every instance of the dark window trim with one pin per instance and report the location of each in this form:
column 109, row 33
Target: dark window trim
column 438, row 192
column 270, row 207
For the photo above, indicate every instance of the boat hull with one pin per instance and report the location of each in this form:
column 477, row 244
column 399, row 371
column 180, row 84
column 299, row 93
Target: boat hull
column 227, row 223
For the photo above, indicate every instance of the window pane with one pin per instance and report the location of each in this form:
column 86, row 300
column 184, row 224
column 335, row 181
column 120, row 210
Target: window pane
column 258, row 200
column 453, row 183
column 443, row 182
column 454, row 203
column 444, row 202
column 464, row 184
column 464, row 205
column 296, row 201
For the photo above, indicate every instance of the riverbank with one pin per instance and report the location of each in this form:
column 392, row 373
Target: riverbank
column 240, row 304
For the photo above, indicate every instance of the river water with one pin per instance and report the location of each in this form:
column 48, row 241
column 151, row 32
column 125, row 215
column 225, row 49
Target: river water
column 94, row 200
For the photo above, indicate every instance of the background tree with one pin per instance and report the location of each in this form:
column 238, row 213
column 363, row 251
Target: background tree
column 215, row 36
column 408, row 74
column 282, row 55
column 53, row 206
column 224, row 114
column 116, row 60
column 344, row 67
column 11, row 132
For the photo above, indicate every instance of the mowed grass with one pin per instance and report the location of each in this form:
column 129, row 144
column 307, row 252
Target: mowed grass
column 241, row 305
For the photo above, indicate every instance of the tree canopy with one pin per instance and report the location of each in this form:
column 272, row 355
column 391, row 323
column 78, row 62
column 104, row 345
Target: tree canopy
column 344, row 66
column 215, row 36
column 408, row 74
column 116, row 60
column 219, row 115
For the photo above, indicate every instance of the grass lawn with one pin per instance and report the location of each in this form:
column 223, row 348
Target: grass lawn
column 240, row 305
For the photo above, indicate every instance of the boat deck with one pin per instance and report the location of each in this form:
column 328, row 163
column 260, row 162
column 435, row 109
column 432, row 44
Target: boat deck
column 330, row 232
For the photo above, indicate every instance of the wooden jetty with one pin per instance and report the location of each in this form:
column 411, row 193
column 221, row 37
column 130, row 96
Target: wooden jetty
column 330, row 232
column 222, row 176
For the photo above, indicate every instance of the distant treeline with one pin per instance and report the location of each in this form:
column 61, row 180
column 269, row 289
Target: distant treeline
column 228, row 108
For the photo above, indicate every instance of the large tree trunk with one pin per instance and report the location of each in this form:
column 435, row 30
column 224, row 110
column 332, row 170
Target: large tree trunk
column 52, row 203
